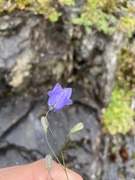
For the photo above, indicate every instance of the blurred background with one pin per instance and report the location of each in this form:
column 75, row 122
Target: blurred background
column 88, row 45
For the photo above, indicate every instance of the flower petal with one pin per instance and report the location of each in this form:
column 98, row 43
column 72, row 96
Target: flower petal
column 63, row 98
column 57, row 88
column 59, row 97
column 69, row 101
column 68, row 92
column 53, row 99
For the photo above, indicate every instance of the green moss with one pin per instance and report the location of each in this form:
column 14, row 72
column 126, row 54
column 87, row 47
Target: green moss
column 101, row 15
column 106, row 16
column 126, row 67
column 93, row 16
column 118, row 117
column 53, row 17
column 44, row 7
column 67, row 2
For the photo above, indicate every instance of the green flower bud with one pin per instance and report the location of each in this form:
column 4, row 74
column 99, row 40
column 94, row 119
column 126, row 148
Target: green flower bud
column 44, row 123
column 79, row 126
column 48, row 162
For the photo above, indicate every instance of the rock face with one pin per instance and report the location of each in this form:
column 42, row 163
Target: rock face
column 34, row 54
column 33, row 51
column 15, row 52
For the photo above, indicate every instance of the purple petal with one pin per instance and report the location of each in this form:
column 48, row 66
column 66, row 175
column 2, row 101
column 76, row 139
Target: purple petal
column 59, row 97
column 68, row 92
column 53, row 98
column 69, row 101
column 57, row 88
column 63, row 98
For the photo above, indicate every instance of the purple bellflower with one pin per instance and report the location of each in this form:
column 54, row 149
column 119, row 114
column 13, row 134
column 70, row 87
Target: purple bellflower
column 59, row 97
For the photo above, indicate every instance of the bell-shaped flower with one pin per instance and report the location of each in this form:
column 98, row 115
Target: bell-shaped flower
column 59, row 97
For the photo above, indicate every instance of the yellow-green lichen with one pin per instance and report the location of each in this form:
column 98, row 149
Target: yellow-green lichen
column 118, row 117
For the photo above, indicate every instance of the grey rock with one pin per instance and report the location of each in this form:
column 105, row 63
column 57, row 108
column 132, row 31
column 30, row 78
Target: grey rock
column 34, row 54
column 14, row 158
column 33, row 51
column 11, row 112
column 26, row 139
column 8, row 23
column 12, row 45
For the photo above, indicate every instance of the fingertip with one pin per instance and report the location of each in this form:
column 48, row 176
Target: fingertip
column 57, row 171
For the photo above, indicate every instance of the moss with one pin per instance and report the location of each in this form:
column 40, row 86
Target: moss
column 106, row 16
column 43, row 7
column 126, row 67
column 67, row 2
column 94, row 16
column 118, row 117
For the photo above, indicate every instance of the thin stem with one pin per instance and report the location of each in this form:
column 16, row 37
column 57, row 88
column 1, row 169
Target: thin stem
column 52, row 149
column 66, row 140
column 62, row 155
column 63, row 160
column 50, row 175
column 47, row 113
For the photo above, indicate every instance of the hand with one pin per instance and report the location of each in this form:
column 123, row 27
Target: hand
column 37, row 171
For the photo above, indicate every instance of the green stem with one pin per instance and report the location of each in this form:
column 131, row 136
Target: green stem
column 62, row 155
column 52, row 149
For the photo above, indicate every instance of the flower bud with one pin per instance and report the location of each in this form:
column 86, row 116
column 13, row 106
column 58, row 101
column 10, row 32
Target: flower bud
column 44, row 123
column 77, row 128
column 48, row 162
